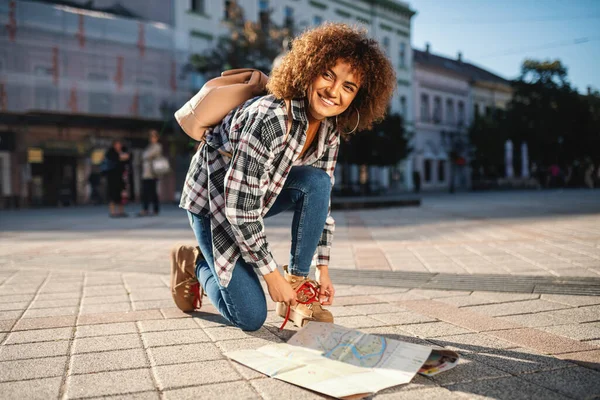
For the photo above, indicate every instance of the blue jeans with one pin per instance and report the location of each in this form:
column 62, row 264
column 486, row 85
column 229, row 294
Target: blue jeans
column 306, row 191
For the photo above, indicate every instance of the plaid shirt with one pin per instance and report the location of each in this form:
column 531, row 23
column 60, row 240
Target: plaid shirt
column 238, row 192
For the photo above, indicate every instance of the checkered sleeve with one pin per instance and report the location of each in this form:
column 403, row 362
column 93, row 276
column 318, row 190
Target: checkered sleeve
column 327, row 163
column 245, row 185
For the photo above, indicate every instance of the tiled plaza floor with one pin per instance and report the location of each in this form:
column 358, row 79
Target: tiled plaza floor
column 85, row 309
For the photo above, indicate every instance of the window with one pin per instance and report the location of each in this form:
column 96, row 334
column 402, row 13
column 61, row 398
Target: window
column 427, row 167
column 461, row 113
column 317, row 20
column 386, row 44
column 403, row 107
column 402, row 55
column 197, row 6
column 263, row 14
column 288, row 21
column 227, row 10
column 46, row 94
column 99, row 102
column 437, row 110
column 425, row 117
column 449, row 111
column 146, row 98
column 441, row 171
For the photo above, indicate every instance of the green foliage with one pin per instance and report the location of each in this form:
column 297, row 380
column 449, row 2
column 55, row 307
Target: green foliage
column 387, row 144
column 248, row 44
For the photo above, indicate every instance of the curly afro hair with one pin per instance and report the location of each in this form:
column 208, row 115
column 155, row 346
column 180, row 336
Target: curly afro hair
column 320, row 48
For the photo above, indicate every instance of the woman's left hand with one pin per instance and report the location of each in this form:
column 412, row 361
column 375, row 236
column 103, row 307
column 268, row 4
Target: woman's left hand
column 326, row 291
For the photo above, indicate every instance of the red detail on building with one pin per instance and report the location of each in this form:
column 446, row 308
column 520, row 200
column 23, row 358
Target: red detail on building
column 2, row 97
column 81, row 31
column 119, row 72
column 135, row 105
column 11, row 27
column 141, row 43
column 73, row 106
column 55, row 66
column 460, row 161
column 173, row 76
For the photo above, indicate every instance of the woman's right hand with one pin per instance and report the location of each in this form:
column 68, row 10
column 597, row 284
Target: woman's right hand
column 280, row 290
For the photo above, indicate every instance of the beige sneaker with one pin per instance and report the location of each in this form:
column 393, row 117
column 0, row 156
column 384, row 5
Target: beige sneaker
column 308, row 307
column 185, row 288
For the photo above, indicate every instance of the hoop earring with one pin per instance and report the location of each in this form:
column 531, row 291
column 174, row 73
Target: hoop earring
column 357, row 122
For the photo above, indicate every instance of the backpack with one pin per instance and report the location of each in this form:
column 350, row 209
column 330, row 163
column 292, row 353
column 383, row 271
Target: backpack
column 217, row 98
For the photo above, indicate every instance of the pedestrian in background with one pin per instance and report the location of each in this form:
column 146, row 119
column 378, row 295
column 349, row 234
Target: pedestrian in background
column 149, row 177
column 114, row 167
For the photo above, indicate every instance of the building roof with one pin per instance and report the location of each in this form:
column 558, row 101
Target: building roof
column 468, row 70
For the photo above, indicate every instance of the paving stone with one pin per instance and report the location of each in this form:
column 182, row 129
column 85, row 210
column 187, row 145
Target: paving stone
column 206, row 320
column 355, row 300
column 155, row 339
column 108, row 383
column 243, row 344
column 105, row 343
column 43, row 323
column 184, row 353
column 237, row 390
column 472, row 342
column 403, row 318
column 468, row 370
column 519, row 307
column 541, row 341
column 21, row 306
column 173, row 376
column 272, row 389
column 6, row 324
column 107, row 318
column 16, row 298
column 358, row 322
column 58, row 296
column 503, row 297
column 105, row 329
column 168, row 325
column 50, row 312
column 575, row 301
column 245, row 372
column 42, row 389
column 30, row 369
column 394, row 297
column 104, row 290
column 433, row 329
column 509, row 388
column 33, row 350
column 136, row 396
column 15, row 314
column 70, row 302
column 40, row 335
column 533, row 320
column 457, row 316
column 121, row 298
column 578, row 382
column 396, row 333
column 580, row 314
column 519, row 360
column 230, row 333
column 575, row 331
column 433, row 393
column 370, row 309
column 152, row 304
column 465, row 301
column 108, row 361
column 588, row 359
column 439, row 294
column 105, row 308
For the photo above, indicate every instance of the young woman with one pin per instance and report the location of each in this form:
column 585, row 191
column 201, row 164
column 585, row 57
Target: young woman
column 149, row 177
column 335, row 81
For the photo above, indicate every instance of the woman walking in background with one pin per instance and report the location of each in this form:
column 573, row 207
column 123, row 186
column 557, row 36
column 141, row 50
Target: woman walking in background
column 113, row 167
column 271, row 154
column 149, row 177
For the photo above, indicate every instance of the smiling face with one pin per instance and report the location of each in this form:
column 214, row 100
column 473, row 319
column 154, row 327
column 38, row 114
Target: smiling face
column 332, row 92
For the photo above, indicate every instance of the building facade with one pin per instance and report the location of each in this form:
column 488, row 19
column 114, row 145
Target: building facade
column 75, row 75
column 448, row 94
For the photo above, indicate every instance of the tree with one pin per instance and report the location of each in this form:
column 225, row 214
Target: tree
column 487, row 135
column 248, row 44
column 387, row 144
column 548, row 114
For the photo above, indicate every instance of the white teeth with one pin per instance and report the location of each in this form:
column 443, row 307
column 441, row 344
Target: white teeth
column 331, row 103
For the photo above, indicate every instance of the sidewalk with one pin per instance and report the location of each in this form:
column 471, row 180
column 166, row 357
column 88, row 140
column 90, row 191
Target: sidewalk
column 510, row 280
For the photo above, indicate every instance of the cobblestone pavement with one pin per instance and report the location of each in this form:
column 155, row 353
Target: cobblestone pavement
column 85, row 309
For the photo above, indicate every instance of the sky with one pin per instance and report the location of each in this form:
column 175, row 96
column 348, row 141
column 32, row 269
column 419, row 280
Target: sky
column 499, row 34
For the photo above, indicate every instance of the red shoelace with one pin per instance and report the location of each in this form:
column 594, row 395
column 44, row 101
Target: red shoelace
column 195, row 288
column 308, row 291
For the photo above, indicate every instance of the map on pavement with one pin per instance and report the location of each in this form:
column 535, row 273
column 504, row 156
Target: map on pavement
column 342, row 362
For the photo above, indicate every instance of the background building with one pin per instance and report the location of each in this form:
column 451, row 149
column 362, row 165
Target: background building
column 74, row 75
column 448, row 94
